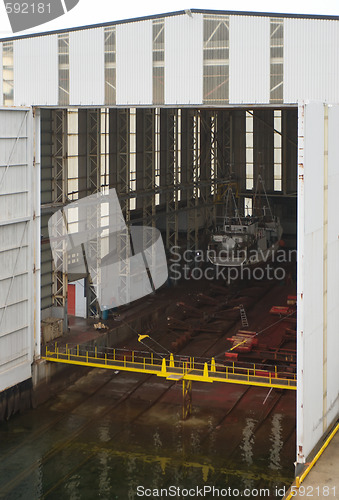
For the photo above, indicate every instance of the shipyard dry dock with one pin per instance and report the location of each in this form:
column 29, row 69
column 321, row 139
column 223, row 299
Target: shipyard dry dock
column 197, row 378
column 113, row 430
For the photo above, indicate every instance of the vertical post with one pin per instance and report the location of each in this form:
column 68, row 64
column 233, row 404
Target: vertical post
column 172, row 177
column 59, row 196
column 93, row 183
column 187, row 399
column 191, row 172
column 325, row 270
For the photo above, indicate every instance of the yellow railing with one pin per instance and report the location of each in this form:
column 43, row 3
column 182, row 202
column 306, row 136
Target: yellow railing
column 172, row 367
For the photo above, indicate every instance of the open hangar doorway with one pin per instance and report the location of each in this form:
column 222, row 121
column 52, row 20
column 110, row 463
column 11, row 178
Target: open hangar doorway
column 168, row 166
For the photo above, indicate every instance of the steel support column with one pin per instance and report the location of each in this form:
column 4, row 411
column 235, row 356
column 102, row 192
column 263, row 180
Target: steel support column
column 148, row 203
column 263, row 146
column 59, row 197
column 224, row 157
column 186, row 399
column 192, row 175
column 123, row 192
column 172, row 195
column 93, row 217
column 208, row 147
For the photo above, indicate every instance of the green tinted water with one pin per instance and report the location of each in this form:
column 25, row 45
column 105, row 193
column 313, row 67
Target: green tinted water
column 78, row 446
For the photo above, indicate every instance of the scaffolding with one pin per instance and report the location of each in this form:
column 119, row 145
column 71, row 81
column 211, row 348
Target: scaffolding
column 59, row 197
column 166, row 164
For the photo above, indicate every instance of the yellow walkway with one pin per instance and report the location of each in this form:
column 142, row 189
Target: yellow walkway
column 173, row 368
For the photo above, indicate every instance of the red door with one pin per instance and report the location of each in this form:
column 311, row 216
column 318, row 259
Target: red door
column 71, row 300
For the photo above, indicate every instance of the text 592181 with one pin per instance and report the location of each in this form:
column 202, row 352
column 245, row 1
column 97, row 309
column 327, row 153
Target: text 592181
column 28, row 8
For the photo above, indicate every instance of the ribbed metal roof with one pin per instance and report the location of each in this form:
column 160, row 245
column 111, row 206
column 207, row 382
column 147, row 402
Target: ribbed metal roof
column 177, row 13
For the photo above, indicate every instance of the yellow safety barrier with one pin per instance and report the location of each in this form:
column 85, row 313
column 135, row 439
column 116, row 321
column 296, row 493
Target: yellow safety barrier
column 174, row 368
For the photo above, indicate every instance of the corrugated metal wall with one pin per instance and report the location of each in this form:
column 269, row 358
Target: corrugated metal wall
column 184, row 59
column 249, row 59
column 333, row 267
column 310, row 63
column 86, row 60
column 1, row 78
column 36, row 71
column 318, row 270
column 19, row 261
column 134, row 63
column 311, row 60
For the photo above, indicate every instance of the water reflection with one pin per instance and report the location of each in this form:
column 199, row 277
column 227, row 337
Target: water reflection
column 247, row 448
column 248, row 441
column 276, row 440
column 156, row 440
column 195, row 441
column 72, row 488
column 131, row 476
column 110, row 458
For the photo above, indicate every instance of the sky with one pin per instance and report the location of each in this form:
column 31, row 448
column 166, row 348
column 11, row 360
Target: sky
column 98, row 11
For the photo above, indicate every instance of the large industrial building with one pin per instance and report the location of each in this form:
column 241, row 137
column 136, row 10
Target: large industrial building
column 165, row 109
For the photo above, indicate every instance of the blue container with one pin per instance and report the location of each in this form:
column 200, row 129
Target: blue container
column 105, row 314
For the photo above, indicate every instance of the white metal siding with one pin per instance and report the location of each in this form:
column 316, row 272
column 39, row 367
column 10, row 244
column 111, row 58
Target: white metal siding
column 333, row 267
column 1, row 78
column 36, row 71
column 318, row 303
column 87, row 73
column 311, row 60
column 134, row 63
column 249, row 60
column 184, row 59
column 35, row 286
column 19, row 246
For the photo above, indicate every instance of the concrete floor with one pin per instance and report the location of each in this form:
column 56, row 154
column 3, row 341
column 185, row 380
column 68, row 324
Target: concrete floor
column 323, row 479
